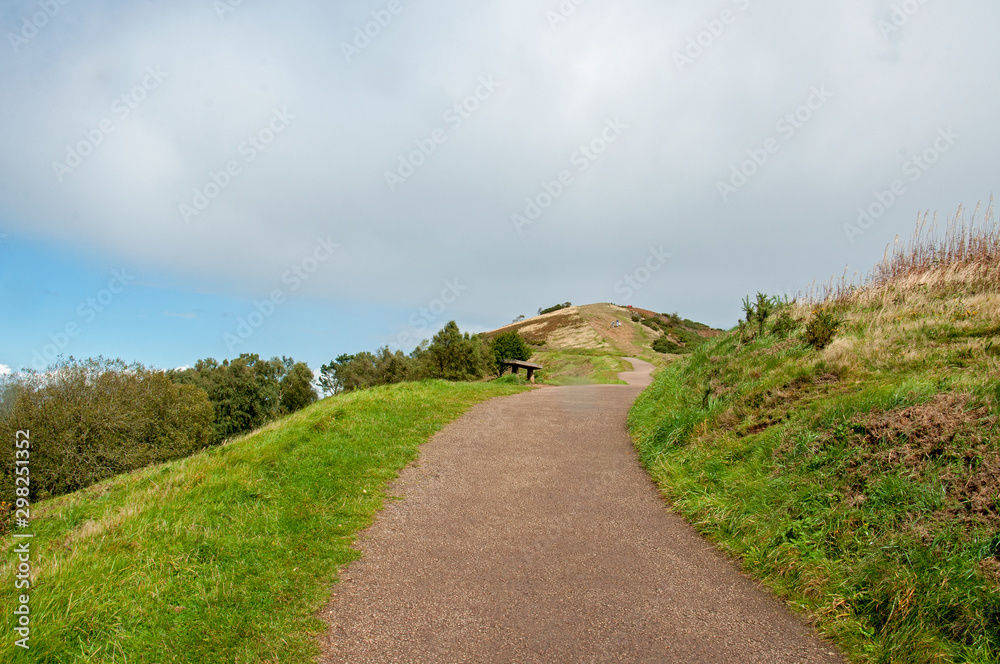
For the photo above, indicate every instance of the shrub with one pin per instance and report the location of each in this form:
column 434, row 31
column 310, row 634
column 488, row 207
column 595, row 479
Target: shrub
column 784, row 324
column 821, row 329
column 90, row 420
column 665, row 345
column 451, row 355
column 759, row 310
column 509, row 346
column 655, row 324
column 564, row 305
column 363, row 370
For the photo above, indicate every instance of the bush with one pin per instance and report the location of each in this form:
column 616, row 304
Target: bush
column 821, row 329
column 90, row 420
column 665, row 345
column 784, row 324
column 509, row 346
column 564, row 305
column 363, row 370
column 451, row 355
column 760, row 310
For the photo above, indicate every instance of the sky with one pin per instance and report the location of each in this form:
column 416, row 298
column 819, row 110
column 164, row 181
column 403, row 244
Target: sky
column 204, row 178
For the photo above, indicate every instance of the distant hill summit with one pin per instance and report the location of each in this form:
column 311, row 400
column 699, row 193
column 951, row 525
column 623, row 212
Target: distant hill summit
column 590, row 330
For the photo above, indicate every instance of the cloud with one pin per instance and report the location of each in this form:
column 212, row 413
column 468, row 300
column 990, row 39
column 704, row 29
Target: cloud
column 4, row 370
column 174, row 107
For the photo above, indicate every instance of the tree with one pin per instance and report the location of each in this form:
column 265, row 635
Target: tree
column 358, row 373
column 297, row 391
column 99, row 418
column 331, row 376
column 456, row 356
column 245, row 392
column 509, row 345
column 392, row 367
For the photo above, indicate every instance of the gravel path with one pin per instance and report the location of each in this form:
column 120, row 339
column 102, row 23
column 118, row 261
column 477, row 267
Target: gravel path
column 530, row 533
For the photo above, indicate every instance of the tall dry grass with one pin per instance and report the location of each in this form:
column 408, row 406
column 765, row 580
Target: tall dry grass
column 964, row 254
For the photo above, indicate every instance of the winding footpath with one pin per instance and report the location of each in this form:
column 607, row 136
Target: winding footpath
column 529, row 532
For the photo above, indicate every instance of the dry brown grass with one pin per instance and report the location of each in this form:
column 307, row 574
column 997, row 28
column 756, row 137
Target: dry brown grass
column 950, row 429
column 948, row 281
column 964, row 256
column 565, row 328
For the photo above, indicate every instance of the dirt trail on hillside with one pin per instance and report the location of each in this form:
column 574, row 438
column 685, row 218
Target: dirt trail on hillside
column 529, row 532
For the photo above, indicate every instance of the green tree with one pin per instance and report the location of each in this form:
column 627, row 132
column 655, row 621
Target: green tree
column 99, row 418
column 297, row 390
column 358, row 373
column 392, row 367
column 245, row 392
column 331, row 375
column 453, row 355
column 509, row 345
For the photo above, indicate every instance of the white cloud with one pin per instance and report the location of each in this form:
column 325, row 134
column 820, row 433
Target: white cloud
column 4, row 370
column 324, row 174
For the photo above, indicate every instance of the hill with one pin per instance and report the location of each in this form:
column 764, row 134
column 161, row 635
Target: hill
column 226, row 555
column 859, row 479
column 580, row 344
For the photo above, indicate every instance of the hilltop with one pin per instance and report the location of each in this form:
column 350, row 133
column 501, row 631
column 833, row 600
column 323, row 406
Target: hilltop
column 580, row 344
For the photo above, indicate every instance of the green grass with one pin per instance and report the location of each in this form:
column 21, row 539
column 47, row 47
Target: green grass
column 580, row 367
column 225, row 556
column 802, row 465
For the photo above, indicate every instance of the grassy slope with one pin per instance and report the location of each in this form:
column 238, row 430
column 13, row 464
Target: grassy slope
column 580, row 367
column 859, row 482
column 227, row 555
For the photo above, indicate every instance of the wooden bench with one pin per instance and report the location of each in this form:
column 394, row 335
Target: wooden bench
column 516, row 365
